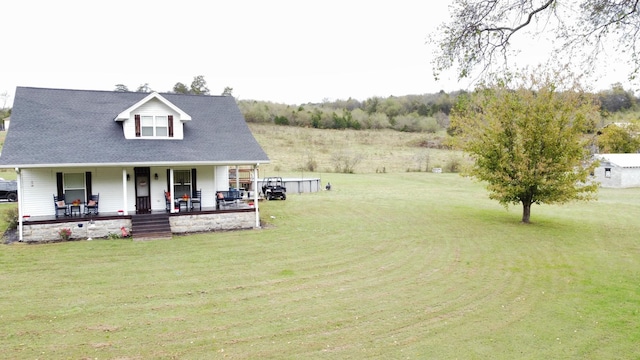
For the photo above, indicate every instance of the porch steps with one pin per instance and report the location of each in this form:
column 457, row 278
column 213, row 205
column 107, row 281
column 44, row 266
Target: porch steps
column 150, row 227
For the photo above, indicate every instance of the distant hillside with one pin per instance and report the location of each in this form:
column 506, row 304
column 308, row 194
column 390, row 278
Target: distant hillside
column 427, row 113
column 299, row 150
column 412, row 113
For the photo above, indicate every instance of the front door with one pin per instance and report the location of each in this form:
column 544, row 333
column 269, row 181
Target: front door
column 143, row 184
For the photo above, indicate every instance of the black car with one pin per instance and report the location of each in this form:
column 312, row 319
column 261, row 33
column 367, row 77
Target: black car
column 9, row 190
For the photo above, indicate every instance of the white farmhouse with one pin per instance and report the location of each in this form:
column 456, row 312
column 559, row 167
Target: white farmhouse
column 108, row 161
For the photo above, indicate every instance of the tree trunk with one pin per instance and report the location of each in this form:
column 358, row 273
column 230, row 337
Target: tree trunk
column 526, row 211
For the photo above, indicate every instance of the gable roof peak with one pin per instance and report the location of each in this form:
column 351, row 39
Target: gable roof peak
column 154, row 95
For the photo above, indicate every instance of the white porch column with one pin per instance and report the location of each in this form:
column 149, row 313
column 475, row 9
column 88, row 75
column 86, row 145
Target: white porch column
column 20, row 197
column 237, row 177
column 124, row 191
column 172, row 208
column 255, row 194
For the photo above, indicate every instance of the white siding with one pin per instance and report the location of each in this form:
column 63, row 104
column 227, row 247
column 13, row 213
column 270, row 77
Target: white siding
column 222, row 178
column 630, row 177
column 39, row 186
column 204, row 182
column 108, row 183
column 620, row 177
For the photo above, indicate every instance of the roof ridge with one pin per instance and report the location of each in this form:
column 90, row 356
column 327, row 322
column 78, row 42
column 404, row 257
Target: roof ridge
column 114, row 91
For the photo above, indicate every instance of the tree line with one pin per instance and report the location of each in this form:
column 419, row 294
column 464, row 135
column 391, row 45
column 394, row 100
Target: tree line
column 412, row 113
column 427, row 113
column 198, row 86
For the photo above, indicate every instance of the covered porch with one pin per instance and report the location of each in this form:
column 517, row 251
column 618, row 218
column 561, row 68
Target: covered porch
column 113, row 225
column 187, row 194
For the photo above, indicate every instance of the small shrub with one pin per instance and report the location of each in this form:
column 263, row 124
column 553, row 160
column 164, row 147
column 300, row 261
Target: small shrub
column 453, row 165
column 345, row 161
column 281, row 120
column 311, row 165
column 11, row 218
column 65, row 233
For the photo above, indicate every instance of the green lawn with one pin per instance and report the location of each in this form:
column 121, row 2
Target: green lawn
column 385, row 266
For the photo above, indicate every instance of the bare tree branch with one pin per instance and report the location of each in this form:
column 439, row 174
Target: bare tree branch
column 481, row 32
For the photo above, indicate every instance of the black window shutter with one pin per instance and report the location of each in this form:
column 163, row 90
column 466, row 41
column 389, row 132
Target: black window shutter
column 170, row 125
column 59, row 185
column 87, row 177
column 137, row 117
column 168, row 181
column 194, row 185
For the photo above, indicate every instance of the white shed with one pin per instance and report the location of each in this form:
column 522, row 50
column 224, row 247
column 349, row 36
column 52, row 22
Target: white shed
column 618, row 170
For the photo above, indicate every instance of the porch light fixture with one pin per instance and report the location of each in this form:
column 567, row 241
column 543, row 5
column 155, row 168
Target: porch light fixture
column 155, row 176
column 128, row 177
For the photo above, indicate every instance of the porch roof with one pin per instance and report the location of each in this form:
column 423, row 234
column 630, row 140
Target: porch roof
column 59, row 127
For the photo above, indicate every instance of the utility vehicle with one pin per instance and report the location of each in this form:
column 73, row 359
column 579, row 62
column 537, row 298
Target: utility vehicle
column 273, row 188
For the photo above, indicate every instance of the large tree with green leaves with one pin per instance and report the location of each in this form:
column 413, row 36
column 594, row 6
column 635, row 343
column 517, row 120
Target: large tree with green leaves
column 481, row 33
column 527, row 140
column 619, row 138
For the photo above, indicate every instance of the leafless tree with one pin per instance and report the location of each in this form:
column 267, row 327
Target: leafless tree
column 481, row 33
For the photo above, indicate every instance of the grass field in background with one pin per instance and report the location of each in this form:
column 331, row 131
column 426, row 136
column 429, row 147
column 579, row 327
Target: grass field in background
column 384, row 266
column 292, row 148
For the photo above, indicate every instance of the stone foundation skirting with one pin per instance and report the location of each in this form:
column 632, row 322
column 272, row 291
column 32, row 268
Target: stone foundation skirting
column 80, row 230
column 213, row 222
column 49, row 231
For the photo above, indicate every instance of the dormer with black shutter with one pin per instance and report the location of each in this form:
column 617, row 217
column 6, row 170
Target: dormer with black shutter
column 153, row 118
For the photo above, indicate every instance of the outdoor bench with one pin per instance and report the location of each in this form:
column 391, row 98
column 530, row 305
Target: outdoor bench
column 227, row 197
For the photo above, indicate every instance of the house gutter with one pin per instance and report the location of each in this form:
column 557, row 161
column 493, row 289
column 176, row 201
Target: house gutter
column 132, row 164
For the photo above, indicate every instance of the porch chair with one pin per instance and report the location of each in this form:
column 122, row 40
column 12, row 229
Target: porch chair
column 92, row 205
column 196, row 200
column 167, row 201
column 59, row 204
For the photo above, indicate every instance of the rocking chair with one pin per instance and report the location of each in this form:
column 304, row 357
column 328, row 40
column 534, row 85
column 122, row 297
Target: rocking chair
column 196, row 200
column 60, row 205
column 92, row 205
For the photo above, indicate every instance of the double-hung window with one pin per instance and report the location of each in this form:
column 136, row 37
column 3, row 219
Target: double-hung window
column 154, row 126
column 74, row 187
column 162, row 126
column 181, row 183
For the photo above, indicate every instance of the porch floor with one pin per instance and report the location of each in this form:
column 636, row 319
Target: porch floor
column 114, row 215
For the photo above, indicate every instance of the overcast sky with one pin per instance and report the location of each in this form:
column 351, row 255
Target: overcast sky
column 284, row 51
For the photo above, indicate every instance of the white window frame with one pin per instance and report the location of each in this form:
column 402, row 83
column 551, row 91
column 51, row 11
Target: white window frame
column 73, row 185
column 151, row 124
column 181, row 187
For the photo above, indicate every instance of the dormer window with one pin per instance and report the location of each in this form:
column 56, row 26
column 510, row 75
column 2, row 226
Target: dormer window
column 153, row 117
column 156, row 126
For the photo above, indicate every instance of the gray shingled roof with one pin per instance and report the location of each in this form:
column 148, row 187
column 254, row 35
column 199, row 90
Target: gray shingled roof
column 75, row 127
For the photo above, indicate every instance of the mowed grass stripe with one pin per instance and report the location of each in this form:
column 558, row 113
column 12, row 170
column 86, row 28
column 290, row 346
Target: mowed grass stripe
column 384, row 266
